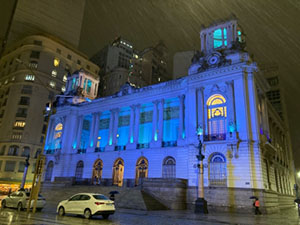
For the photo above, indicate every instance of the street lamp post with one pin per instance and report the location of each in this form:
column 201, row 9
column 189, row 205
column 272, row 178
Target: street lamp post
column 25, row 173
column 200, row 203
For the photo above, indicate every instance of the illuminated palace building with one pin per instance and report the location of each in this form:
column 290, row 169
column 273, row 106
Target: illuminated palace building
column 32, row 71
column 152, row 132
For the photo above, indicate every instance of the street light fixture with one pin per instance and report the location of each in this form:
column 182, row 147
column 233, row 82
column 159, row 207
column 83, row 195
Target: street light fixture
column 200, row 203
column 298, row 174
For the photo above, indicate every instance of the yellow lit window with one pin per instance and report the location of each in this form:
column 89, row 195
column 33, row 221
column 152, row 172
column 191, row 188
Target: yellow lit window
column 20, row 124
column 56, row 62
column 57, row 135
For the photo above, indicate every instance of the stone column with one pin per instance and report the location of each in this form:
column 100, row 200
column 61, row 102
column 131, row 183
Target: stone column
column 131, row 125
column 231, row 121
column 79, row 129
column 191, row 116
column 115, row 126
column 64, row 130
column 154, row 121
column 200, row 108
column 160, row 121
column 92, row 131
column 136, row 124
column 181, row 117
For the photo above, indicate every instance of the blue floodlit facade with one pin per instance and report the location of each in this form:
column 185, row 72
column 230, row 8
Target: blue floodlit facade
column 222, row 99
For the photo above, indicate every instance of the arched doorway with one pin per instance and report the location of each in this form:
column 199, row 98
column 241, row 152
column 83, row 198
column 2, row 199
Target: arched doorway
column 141, row 170
column 49, row 171
column 169, row 168
column 79, row 171
column 118, row 172
column 97, row 171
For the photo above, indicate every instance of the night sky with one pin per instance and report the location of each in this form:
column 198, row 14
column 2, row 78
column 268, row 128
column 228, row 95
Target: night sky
column 272, row 30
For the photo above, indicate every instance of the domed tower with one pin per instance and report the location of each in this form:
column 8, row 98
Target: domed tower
column 218, row 41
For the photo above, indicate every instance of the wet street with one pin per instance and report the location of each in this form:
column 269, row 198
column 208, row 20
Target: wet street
column 136, row 217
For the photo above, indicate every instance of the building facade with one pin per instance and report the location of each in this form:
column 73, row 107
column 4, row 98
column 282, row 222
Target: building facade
column 152, row 132
column 120, row 63
column 32, row 71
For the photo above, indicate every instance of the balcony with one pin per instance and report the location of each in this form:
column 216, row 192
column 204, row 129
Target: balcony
column 169, row 144
column 120, row 147
column 144, row 145
column 214, row 137
column 99, row 149
column 81, row 151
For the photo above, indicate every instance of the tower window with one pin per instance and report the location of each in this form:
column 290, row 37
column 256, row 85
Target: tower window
column 29, row 77
column 220, row 37
column 35, row 55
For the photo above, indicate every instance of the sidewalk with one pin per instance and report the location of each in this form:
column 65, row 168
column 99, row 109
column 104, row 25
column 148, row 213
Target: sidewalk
column 286, row 217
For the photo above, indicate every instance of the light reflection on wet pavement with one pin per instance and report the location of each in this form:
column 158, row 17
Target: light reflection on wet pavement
column 135, row 217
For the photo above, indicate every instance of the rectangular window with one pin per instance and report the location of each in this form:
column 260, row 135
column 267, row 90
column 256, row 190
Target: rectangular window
column 44, row 129
column 16, row 136
column 42, row 139
column 58, row 51
column 33, row 65
column 29, row 77
column 78, row 62
column 10, row 166
column 24, row 100
column 52, row 84
column 1, row 165
column 4, row 102
column 21, row 166
column 35, row 55
column 26, row 89
column 19, row 125
column 69, row 57
column 33, row 168
column 22, row 112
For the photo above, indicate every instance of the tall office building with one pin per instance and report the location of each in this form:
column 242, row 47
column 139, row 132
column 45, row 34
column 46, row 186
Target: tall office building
column 32, row 71
column 121, row 63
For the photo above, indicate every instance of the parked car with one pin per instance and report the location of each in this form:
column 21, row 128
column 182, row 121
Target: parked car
column 87, row 204
column 19, row 200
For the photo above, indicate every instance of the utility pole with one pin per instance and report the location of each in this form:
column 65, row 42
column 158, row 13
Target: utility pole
column 25, row 173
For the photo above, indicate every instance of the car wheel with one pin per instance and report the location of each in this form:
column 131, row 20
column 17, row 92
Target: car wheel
column 61, row 211
column 20, row 207
column 87, row 214
column 3, row 204
column 105, row 216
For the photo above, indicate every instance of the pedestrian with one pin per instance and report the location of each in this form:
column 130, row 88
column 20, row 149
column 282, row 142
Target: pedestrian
column 256, row 204
column 112, row 197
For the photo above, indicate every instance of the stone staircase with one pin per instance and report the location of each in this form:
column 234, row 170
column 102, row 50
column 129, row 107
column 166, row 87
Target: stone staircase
column 128, row 198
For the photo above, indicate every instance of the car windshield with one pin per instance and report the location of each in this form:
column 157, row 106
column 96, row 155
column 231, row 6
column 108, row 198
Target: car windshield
column 100, row 197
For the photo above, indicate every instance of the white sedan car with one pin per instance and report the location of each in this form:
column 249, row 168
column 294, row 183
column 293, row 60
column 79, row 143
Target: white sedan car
column 19, row 200
column 87, row 204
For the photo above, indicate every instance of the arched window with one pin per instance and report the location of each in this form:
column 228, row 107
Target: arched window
column 2, row 151
column 217, row 170
column 169, row 168
column 49, row 171
column 217, row 117
column 57, row 136
column 97, row 171
column 118, row 172
column 79, row 171
column 26, row 151
column 141, row 170
column 13, row 150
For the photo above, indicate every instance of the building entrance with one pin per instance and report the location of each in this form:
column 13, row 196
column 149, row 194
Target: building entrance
column 141, row 170
column 118, row 172
column 97, row 171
